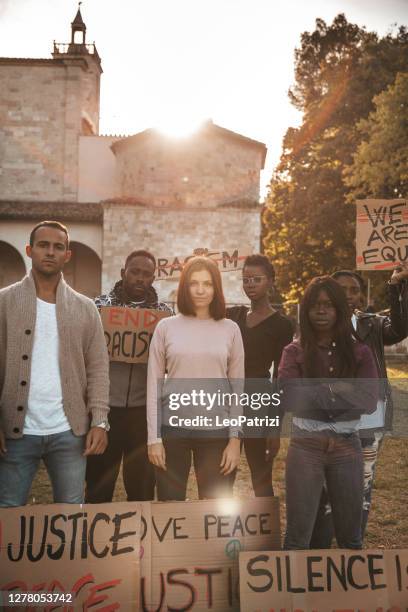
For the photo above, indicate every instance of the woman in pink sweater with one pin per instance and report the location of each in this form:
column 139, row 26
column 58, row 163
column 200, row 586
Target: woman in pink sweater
column 198, row 343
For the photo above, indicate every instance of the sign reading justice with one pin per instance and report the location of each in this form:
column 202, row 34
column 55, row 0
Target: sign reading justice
column 381, row 234
column 89, row 551
column 135, row 556
column 128, row 332
column 190, row 551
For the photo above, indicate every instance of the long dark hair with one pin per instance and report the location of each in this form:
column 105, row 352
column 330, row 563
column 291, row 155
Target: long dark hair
column 342, row 333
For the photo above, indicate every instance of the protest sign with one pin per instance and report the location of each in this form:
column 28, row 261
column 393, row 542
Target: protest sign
column 91, row 551
column 189, row 554
column 136, row 556
column 324, row 581
column 128, row 332
column 228, row 260
column 381, row 233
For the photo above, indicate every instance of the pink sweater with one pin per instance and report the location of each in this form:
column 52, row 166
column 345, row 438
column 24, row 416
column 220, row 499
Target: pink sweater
column 186, row 347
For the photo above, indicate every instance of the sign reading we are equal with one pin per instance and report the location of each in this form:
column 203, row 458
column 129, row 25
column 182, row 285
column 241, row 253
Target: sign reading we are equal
column 381, row 234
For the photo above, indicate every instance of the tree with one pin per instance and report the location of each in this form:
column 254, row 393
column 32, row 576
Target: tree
column 309, row 227
column 380, row 164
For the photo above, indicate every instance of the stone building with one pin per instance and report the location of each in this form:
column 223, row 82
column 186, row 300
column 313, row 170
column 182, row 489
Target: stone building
column 115, row 194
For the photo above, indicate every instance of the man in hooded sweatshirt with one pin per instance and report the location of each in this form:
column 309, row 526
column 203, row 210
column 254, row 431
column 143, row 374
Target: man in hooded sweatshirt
column 127, row 435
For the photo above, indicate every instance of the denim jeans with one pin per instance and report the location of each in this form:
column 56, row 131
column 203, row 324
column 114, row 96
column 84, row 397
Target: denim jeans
column 323, row 531
column 312, row 460
column 62, row 454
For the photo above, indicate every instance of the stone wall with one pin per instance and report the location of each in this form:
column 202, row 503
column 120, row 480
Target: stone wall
column 32, row 136
column 208, row 168
column 42, row 106
column 172, row 232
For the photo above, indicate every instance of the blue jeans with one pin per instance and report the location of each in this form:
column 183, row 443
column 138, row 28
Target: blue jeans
column 62, row 454
column 323, row 531
column 337, row 460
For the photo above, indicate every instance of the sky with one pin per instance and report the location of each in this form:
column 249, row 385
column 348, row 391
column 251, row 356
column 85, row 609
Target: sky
column 173, row 63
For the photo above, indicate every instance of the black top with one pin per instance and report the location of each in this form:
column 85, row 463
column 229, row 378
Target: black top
column 263, row 343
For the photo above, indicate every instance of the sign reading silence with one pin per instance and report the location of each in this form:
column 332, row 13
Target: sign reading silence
column 324, row 581
column 381, row 234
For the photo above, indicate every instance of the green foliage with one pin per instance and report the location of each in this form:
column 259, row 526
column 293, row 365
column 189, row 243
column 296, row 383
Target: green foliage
column 309, row 226
column 380, row 165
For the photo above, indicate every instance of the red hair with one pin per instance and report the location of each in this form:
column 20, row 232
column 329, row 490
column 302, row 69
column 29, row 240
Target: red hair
column 185, row 303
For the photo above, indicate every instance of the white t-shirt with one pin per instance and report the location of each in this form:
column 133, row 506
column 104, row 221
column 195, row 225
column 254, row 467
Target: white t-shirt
column 45, row 414
column 375, row 419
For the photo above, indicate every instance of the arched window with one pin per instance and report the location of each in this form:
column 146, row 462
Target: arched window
column 83, row 271
column 12, row 266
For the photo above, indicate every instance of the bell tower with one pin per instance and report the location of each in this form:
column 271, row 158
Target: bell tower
column 78, row 27
column 82, row 69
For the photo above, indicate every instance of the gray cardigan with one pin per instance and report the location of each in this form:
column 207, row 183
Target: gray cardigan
column 83, row 357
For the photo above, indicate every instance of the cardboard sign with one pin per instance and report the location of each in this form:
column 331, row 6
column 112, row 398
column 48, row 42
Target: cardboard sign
column 128, row 332
column 136, row 556
column 324, row 581
column 228, row 261
column 91, row 551
column 189, row 555
column 381, row 234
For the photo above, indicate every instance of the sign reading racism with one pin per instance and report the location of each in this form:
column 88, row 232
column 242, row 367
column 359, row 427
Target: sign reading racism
column 189, row 554
column 128, row 332
column 89, row 551
column 381, row 234
column 324, row 581
column 227, row 261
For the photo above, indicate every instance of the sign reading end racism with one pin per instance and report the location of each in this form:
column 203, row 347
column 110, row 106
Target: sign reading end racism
column 381, row 234
column 128, row 332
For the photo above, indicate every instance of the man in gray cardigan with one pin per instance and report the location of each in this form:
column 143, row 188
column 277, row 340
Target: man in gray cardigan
column 54, row 376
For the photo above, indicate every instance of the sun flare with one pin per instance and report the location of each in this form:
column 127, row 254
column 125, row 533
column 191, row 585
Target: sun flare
column 179, row 125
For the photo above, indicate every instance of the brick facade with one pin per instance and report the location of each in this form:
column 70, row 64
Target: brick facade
column 44, row 107
column 171, row 232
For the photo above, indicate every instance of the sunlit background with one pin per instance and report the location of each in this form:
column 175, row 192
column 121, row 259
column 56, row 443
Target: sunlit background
column 173, row 64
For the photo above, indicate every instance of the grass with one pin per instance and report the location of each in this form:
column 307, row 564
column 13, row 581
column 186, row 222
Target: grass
column 388, row 521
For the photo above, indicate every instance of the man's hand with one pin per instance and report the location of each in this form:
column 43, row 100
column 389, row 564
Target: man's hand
column 96, row 441
column 230, row 456
column 3, row 448
column 272, row 448
column 157, row 455
column 399, row 274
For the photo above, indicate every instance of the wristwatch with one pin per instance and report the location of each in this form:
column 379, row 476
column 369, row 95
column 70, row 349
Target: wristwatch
column 104, row 425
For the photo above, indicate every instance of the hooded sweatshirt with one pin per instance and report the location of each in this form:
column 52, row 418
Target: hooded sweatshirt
column 128, row 380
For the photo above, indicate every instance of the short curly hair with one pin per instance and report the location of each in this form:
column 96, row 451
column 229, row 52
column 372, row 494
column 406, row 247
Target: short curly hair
column 257, row 259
